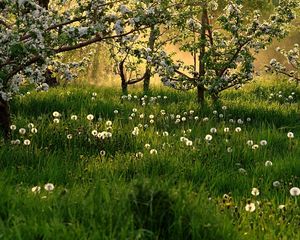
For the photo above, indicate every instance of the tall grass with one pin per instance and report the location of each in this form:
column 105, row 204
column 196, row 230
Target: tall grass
column 119, row 188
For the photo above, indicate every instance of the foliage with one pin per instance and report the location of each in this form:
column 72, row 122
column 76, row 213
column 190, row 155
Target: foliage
column 292, row 57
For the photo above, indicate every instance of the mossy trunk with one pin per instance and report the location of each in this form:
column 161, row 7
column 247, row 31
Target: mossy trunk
column 5, row 118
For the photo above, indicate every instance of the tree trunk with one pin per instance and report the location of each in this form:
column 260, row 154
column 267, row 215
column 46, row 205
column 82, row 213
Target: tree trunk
column 49, row 79
column 200, row 94
column 124, row 83
column 5, row 118
column 124, row 86
column 147, row 80
column 204, row 22
column 151, row 43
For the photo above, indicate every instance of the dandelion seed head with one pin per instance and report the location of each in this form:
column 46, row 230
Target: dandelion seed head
column 56, row 114
column 255, row 191
column 276, row 184
column 238, row 129
column 153, row 151
column 90, row 117
column 240, row 121
column 74, row 117
column 213, row 130
column 139, row 155
column 94, row 133
column 268, row 163
column 165, row 134
column 22, row 131
column 13, row 127
column 295, row 191
column 226, row 130
column 49, row 187
column 290, row 135
column 208, row 137
column 263, row 142
column 56, row 120
column 250, row 207
column 36, row 189
column 102, row 153
column 33, row 130
column 108, row 123
column 255, row 146
column 69, row 136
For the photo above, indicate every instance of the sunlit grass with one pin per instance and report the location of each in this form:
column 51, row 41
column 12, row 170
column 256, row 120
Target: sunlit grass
column 169, row 170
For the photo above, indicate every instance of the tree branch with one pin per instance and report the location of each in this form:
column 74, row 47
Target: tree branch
column 96, row 39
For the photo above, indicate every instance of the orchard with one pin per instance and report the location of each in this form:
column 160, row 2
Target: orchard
column 190, row 141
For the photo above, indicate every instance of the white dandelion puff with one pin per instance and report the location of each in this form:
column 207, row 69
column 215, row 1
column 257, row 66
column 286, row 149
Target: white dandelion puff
column 49, row 187
column 250, row 207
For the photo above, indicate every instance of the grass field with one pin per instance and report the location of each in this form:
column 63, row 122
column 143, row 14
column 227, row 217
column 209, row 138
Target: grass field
column 152, row 167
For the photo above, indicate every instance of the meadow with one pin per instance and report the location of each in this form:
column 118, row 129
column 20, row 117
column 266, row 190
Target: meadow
column 87, row 163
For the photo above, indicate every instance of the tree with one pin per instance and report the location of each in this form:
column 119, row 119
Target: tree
column 133, row 59
column 131, row 54
column 34, row 33
column 222, row 48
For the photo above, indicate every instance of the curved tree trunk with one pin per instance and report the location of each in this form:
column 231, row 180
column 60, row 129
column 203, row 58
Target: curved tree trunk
column 5, row 118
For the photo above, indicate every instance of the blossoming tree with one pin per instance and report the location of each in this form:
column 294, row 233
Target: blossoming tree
column 223, row 47
column 34, row 33
column 132, row 54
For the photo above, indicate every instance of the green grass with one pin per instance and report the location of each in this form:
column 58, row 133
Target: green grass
column 116, row 189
